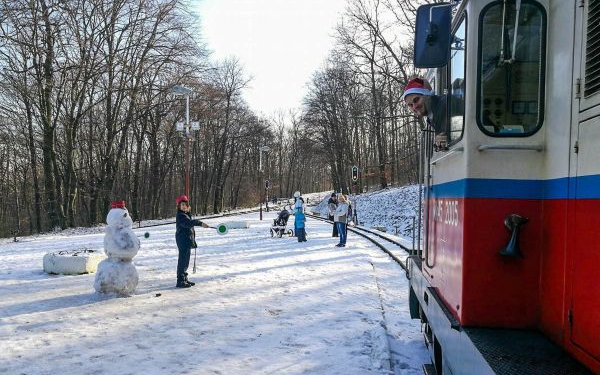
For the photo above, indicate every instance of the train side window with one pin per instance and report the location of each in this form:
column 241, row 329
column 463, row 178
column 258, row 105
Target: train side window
column 457, row 82
column 511, row 67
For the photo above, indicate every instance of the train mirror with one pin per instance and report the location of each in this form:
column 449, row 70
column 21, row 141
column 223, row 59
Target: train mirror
column 432, row 36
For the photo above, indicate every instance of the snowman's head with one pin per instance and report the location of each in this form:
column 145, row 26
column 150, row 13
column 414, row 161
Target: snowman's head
column 119, row 218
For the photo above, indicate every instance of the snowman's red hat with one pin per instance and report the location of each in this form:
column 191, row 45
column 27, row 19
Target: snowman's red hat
column 117, row 204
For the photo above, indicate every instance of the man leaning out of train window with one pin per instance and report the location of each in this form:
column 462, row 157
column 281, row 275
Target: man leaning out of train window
column 422, row 102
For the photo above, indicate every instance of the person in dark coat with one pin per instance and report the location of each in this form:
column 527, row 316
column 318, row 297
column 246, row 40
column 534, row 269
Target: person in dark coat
column 331, row 206
column 185, row 236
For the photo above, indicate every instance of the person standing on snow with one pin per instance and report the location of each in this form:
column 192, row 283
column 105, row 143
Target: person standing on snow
column 331, row 206
column 185, row 236
column 299, row 225
column 298, row 204
column 341, row 219
column 350, row 212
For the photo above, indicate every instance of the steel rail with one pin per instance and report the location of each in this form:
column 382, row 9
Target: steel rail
column 202, row 218
column 359, row 231
column 249, row 211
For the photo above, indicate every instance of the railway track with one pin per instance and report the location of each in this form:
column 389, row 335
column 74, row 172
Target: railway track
column 397, row 251
column 203, row 218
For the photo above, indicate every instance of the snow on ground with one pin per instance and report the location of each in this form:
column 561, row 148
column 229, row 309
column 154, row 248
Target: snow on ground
column 260, row 306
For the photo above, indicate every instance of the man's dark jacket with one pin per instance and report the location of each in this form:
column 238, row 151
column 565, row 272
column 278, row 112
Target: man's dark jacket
column 438, row 107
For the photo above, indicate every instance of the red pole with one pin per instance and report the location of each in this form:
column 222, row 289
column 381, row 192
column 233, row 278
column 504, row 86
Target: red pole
column 187, row 131
column 187, row 165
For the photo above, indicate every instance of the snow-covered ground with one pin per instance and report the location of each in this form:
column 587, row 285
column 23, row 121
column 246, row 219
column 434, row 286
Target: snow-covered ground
column 260, row 306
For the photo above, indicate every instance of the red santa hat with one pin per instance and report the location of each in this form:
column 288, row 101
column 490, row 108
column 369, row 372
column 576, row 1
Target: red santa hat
column 417, row 86
column 117, row 204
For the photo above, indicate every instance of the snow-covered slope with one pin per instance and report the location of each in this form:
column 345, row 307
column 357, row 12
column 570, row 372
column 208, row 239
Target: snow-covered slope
column 393, row 209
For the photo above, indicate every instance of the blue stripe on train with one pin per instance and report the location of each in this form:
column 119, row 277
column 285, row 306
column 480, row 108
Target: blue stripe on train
column 587, row 187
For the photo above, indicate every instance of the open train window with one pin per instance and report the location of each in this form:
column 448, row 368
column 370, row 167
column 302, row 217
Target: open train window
column 511, row 67
column 457, row 82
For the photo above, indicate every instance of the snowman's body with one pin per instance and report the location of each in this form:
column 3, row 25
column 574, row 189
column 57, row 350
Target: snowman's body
column 117, row 274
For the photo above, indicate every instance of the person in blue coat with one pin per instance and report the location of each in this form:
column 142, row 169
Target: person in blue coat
column 185, row 236
column 299, row 221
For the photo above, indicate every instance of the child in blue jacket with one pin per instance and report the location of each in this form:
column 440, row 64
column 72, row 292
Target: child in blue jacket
column 299, row 221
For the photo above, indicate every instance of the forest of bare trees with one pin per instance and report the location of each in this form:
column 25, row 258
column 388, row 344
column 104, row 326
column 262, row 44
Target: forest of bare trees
column 87, row 115
column 354, row 106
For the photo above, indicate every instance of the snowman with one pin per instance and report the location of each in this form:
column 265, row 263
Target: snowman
column 117, row 274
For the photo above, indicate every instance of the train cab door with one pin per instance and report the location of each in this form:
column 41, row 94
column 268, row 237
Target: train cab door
column 584, row 191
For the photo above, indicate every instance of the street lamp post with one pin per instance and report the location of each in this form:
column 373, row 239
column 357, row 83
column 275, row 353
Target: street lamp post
column 186, row 130
column 260, row 170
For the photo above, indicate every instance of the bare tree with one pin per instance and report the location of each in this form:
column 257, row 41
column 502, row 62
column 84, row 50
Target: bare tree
column 229, row 79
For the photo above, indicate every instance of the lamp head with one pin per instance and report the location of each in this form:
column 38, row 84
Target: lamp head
column 181, row 90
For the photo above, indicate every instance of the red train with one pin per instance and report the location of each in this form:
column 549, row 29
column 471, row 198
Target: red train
column 508, row 281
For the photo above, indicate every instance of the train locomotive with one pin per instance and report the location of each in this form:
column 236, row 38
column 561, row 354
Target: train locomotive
column 508, row 277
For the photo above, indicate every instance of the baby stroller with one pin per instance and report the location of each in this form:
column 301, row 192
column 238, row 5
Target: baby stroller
column 279, row 227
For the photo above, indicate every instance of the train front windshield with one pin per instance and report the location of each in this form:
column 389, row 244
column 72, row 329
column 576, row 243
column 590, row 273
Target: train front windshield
column 511, row 69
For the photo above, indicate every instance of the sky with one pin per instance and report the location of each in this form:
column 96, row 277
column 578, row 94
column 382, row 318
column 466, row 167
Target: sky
column 280, row 43
column 260, row 305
